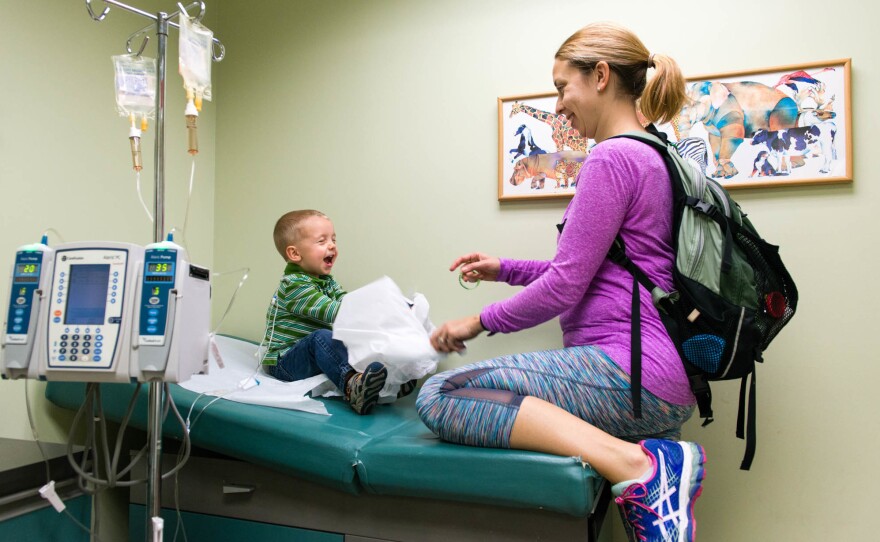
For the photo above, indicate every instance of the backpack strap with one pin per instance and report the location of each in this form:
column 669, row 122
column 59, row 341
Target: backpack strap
column 751, row 433
column 617, row 254
column 700, row 388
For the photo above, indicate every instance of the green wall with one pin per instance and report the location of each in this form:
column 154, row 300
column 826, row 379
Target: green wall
column 383, row 114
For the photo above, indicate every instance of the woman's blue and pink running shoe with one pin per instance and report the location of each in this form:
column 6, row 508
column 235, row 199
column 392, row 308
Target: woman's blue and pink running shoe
column 661, row 508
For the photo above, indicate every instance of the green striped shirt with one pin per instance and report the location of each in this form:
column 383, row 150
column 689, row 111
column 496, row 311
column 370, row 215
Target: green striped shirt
column 304, row 304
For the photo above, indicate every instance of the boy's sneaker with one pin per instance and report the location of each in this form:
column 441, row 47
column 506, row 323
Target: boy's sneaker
column 406, row 388
column 661, row 508
column 363, row 388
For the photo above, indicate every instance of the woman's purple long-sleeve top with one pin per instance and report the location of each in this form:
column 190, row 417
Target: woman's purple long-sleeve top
column 623, row 187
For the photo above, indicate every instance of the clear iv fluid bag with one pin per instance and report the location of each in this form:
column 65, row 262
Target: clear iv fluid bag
column 135, row 85
column 194, row 63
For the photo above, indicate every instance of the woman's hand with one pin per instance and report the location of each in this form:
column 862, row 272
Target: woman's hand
column 477, row 266
column 451, row 335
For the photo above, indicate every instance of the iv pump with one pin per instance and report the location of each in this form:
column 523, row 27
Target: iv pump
column 25, row 297
column 106, row 312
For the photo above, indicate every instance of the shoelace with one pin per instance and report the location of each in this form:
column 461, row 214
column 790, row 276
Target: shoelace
column 631, row 501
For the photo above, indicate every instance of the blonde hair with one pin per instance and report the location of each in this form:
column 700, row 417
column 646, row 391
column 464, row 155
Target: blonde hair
column 660, row 98
column 287, row 228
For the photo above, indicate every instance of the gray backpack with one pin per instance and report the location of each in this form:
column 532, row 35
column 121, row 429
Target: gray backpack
column 732, row 293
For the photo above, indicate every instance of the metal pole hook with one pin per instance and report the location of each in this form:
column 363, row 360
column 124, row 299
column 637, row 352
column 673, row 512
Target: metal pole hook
column 217, row 57
column 200, row 5
column 143, row 44
column 100, row 17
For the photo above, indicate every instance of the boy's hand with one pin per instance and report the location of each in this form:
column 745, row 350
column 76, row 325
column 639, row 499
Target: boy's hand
column 477, row 266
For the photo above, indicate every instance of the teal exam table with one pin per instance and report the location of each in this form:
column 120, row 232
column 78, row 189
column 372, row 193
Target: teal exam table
column 385, row 476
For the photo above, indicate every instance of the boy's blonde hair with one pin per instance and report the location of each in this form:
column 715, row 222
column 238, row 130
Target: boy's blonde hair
column 287, row 229
column 660, row 98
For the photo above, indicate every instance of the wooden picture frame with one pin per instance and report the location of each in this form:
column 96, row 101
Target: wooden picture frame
column 774, row 127
column 539, row 153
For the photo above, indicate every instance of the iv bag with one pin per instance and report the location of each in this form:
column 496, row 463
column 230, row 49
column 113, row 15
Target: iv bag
column 135, row 85
column 194, row 64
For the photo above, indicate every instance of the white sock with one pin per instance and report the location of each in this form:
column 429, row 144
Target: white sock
column 618, row 489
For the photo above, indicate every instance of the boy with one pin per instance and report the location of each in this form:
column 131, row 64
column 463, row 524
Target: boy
column 300, row 318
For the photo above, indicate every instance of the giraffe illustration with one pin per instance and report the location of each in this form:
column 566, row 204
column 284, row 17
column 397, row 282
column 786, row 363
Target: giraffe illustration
column 563, row 134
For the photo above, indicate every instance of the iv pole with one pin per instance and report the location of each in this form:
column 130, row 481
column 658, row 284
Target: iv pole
column 154, row 413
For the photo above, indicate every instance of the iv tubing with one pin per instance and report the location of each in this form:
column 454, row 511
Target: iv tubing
column 45, row 234
column 33, row 424
column 192, row 175
column 141, row 196
column 244, row 277
column 182, row 231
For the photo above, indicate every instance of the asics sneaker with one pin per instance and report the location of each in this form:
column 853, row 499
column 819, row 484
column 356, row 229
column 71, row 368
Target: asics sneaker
column 661, row 508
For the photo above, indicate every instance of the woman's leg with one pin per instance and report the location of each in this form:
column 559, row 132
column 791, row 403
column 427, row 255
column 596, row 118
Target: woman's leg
column 566, row 402
column 572, row 402
column 543, row 427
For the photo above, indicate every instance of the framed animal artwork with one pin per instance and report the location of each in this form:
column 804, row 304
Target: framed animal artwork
column 539, row 153
column 773, row 127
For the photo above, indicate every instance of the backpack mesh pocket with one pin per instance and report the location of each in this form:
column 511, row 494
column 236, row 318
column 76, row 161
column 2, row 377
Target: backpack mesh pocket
column 704, row 351
column 777, row 294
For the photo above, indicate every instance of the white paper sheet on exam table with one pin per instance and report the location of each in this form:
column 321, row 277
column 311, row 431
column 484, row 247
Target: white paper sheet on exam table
column 237, row 379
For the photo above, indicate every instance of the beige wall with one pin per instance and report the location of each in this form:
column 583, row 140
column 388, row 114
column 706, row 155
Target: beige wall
column 383, row 114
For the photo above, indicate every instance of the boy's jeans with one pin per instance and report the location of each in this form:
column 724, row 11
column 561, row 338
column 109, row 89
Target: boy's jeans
column 316, row 353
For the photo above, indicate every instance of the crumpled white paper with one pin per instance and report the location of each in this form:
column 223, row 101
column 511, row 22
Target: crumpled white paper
column 378, row 323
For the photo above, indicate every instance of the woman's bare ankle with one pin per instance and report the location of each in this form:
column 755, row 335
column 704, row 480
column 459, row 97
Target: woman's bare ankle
column 635, row 464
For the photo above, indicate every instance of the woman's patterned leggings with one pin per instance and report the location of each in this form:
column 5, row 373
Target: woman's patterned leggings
column 477, row 404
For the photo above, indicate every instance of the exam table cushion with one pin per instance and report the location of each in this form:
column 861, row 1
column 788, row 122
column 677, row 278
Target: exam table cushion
column 389, row 452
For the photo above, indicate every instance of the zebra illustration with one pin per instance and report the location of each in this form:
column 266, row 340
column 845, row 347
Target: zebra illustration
column 695, row 150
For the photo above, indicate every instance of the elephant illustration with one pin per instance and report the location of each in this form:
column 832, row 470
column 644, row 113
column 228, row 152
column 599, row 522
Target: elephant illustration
column 731, row 112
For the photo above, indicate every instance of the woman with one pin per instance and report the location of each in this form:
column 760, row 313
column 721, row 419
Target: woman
column 577, row 401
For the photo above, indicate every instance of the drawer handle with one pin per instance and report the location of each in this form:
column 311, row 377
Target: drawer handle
column 229, row 489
